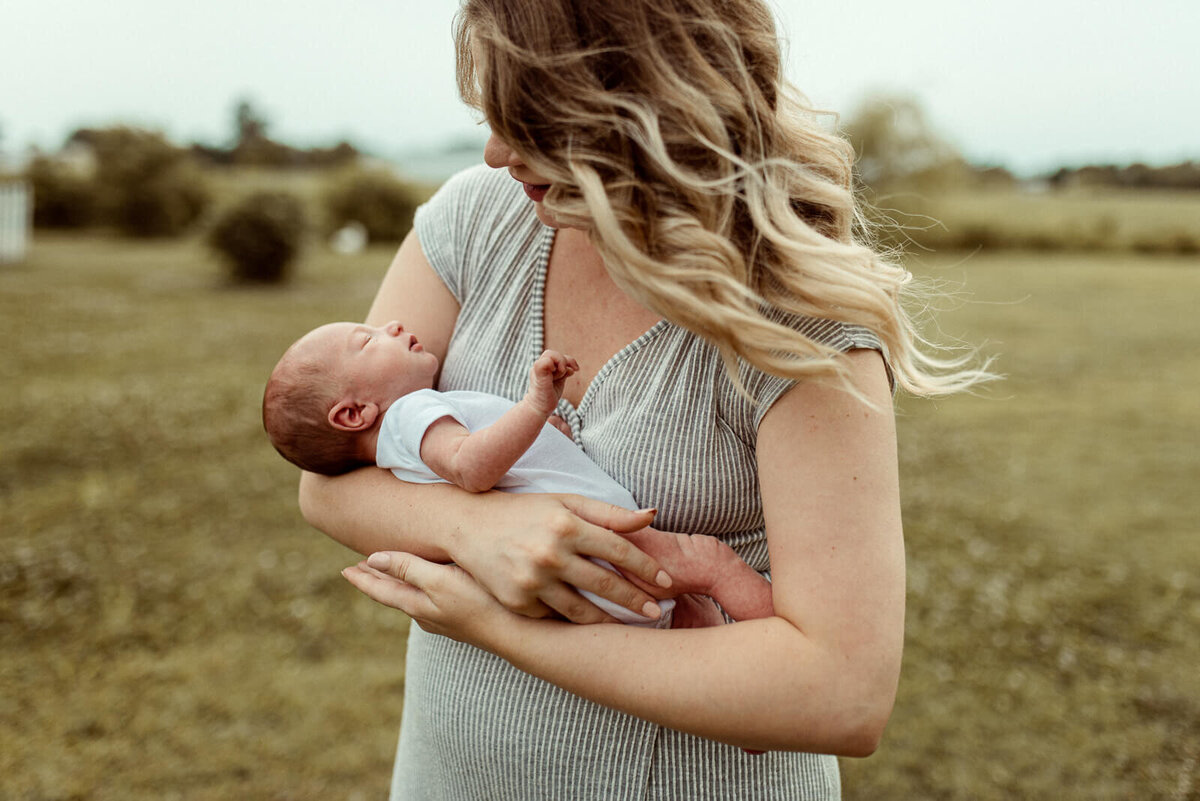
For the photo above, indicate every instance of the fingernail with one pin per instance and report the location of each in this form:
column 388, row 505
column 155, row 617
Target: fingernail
column 651, row 610
column 344, row 572
column 379, row 561
column 662, row 579
column 653, row 509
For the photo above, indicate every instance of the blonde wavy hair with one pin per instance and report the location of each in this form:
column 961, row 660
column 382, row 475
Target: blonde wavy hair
column 706, row 182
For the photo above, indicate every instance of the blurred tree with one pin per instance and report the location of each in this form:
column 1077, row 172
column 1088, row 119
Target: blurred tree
column 143, row 184
column 897, row 145
column 250, row 124
column 62, row 196
column 250, row 144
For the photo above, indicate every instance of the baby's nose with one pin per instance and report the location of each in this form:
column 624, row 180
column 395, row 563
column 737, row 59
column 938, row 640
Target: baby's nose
column 394, row 328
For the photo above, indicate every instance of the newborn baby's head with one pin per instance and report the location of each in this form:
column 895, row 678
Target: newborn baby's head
column 332, row 386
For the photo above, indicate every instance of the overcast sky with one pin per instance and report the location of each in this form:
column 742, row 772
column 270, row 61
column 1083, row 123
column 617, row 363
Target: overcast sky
column 1028, row 83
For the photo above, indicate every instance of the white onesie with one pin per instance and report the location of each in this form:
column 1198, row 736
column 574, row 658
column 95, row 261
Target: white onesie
column 552, row 464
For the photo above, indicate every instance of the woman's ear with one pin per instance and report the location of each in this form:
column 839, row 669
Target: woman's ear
column 352, row 416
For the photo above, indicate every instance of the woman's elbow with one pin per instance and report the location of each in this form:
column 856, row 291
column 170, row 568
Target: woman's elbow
column 854, row 732
column 864, row 731
column 864, row 739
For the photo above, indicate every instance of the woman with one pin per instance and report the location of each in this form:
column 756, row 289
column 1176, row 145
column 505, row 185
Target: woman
column 662, row 209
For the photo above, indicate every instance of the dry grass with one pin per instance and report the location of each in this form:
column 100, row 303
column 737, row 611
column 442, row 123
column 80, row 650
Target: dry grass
column 169, row 628
column 1108, row 220
column 1051, row 530
column 170, row 625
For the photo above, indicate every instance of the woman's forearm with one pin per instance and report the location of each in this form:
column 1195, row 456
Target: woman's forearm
column 524, row 549
column 369, row 510
column 759, row 684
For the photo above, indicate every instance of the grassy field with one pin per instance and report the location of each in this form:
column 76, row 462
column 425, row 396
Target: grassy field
column 170, row 628
column 1095, row 219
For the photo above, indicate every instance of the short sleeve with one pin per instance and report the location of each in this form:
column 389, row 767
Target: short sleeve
column 842, row 337
column 404, row 426
column 437, row 224
column 464, row 227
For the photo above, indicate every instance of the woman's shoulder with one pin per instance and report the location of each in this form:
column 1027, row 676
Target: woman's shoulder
column 468, row 195
column 759, row 389
column 477, row 218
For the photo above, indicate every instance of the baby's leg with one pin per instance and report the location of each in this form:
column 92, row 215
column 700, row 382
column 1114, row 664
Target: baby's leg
column 706, row 566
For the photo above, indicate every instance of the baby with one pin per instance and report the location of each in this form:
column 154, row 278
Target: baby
column 347, row 395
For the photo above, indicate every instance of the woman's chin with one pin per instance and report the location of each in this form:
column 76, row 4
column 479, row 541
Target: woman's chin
column 546, row 217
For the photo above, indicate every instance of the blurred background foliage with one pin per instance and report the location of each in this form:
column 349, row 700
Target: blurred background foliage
column 260, row 236
column 170, row 628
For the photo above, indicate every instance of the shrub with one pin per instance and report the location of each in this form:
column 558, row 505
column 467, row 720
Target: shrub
column 62, row 197
column 379, row 201
column 164, row 205
column 260, row 236
column 145, row 185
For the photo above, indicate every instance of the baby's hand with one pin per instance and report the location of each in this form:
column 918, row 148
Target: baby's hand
column 562, row 425
column 546, row 379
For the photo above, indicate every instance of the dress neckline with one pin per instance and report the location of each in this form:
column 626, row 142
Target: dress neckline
column 539, row 327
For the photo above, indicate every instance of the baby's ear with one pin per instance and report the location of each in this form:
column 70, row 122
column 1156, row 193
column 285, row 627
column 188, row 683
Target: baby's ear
column 352, row 416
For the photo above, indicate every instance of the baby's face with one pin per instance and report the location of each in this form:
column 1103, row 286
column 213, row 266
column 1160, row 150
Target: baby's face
column 374, row 363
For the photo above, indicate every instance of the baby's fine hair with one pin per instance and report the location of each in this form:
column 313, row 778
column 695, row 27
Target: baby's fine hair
column 296, row 404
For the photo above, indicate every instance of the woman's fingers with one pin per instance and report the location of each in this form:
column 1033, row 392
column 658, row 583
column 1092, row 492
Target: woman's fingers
column 606, row 515
column 387, row 590
column 573, row 606
column 599, row 541
column 585, row 574
column 442, row 599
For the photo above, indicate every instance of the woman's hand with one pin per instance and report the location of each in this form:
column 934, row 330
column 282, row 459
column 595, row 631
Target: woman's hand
column 442, row 599
column 531, row 551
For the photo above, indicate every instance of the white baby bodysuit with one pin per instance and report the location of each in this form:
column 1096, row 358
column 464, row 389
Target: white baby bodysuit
column 552, row 464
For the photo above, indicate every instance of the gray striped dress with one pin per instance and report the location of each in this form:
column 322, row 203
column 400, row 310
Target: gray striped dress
column 663, row 419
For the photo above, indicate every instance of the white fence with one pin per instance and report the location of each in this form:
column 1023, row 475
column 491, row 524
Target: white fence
column 16, row 215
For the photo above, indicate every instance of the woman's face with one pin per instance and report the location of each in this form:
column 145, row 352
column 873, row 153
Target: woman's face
column 497, row 154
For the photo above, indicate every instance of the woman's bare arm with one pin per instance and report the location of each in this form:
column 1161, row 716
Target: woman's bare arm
column 819, row 676
column 529, row 550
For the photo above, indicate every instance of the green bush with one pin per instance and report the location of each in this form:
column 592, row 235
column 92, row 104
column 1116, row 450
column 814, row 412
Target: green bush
column 166, row 204
column 260, row 236
column 62, row 197
column 145, row 186
column 381, row 202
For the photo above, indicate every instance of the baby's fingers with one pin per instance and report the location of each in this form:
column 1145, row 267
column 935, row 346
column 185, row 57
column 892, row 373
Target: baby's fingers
column 566, row 367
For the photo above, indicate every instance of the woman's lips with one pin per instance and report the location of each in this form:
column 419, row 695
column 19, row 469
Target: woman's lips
column 536, row 192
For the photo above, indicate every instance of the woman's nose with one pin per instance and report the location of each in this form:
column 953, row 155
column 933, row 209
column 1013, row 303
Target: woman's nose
column 497, row 154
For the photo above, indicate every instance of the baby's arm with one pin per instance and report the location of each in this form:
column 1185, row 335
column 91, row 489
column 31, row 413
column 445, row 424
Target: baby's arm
column 704, row 565
column 476, row 461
